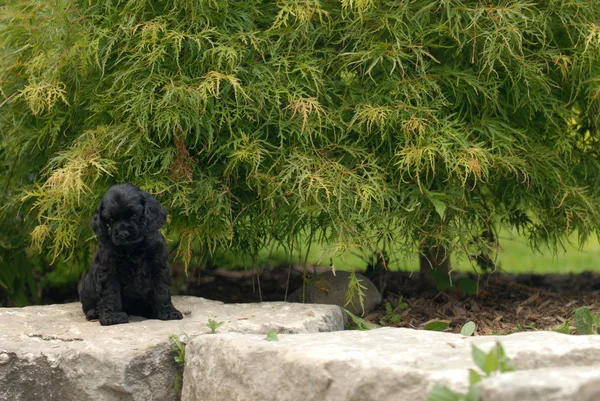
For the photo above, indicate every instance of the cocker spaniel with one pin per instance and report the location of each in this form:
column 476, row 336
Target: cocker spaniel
column 130, row 271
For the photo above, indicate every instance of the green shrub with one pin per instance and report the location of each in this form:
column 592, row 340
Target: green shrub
column 403, row 125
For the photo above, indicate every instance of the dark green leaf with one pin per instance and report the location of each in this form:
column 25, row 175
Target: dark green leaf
column 437, row 325
column 584, row 321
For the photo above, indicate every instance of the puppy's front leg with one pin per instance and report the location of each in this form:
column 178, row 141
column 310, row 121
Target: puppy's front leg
column 110, row 306
column 162, row 307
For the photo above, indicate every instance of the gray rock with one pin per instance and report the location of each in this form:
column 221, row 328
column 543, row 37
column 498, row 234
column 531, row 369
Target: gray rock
column 52, row 353
column 330, row 289
column 384, row 364
column 552, row 384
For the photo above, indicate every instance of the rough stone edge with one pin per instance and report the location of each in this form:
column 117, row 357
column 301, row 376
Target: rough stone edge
column 137, row 383
column 456, row 379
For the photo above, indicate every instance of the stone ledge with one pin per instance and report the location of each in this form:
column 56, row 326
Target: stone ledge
column 383, row 364
column 52, row 352
column 551, row 384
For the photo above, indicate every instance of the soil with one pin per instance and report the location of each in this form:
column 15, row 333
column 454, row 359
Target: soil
column 502, row 303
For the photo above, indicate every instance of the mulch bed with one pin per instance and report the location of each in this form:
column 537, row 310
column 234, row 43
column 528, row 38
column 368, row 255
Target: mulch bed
column 503, row 304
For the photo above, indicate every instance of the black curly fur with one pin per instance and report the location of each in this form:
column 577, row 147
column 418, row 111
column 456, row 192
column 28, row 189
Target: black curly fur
column 130, row 271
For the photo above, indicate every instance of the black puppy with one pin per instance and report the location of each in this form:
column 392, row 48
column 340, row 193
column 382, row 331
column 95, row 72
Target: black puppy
column 130, row 271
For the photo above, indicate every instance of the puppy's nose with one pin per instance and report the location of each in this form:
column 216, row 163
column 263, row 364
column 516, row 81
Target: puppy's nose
column 122, row 234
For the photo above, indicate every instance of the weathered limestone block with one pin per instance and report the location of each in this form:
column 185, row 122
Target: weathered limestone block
column 551, row 384
column 384, row 364
column 52, row 353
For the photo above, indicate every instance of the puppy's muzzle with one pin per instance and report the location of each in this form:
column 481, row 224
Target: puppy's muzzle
column 124, row 235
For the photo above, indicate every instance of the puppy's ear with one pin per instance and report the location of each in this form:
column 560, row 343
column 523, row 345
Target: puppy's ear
column 99, row 226
column 155, row 215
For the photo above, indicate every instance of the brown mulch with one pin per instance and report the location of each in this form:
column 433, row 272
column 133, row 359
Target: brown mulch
column 503, row 304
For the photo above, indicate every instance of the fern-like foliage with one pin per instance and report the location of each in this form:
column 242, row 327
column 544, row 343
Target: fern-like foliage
column 254, row 121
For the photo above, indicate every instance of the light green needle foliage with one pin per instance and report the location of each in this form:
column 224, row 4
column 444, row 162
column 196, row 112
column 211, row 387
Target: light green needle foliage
column 409, row 123
column 358, row 323
column 355, row 289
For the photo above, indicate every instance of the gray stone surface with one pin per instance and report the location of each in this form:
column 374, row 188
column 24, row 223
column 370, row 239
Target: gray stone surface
column 330, row 289
column 552, row 384
column 52, row 353
column 384, row 364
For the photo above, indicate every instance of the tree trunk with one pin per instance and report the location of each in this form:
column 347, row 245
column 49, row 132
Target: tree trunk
column 434, row 258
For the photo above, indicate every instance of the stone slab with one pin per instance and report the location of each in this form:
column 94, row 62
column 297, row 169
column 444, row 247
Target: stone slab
column 52, row 352
column 384, row 364
column 550, row 384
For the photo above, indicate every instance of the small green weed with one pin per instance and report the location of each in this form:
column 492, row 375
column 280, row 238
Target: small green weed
column 494, row 361
column 564, row 328
column 530, row 326
column 213, row 325
column 392, row 315
column 178, row 347
column 585, row 322
column 271, row 336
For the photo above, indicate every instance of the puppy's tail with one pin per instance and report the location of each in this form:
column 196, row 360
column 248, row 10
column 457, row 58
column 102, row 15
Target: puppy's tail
column 87, row 297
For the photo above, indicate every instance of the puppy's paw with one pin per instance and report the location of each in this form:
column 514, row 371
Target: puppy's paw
column 114, row 318
column 91, row 314
column 169, row 314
